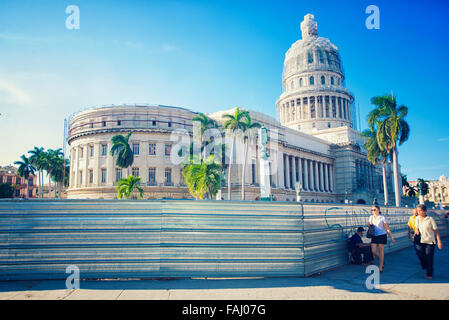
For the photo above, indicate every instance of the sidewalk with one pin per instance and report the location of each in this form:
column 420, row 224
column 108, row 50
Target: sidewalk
column 401, row 279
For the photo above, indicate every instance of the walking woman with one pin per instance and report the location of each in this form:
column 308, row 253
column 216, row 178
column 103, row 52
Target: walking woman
column 379, row 240
column 426, row 228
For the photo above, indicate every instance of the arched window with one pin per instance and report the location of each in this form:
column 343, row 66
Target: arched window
column 310, row 57
column 300, row 82
column 312, row 81
column 332, row 81
column 293, row 84
column 323, row 80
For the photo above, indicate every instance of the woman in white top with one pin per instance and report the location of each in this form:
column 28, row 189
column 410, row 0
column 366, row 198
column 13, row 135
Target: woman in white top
column 426, row 228
column 379, row 240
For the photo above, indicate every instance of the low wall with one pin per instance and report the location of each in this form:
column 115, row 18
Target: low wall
column 106, row 239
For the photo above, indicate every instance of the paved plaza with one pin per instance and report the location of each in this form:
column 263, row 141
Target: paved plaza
column 401, row 279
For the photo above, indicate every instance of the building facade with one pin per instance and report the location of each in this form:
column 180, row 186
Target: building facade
column 312, row 141
column 8, row 175
column 438, row 191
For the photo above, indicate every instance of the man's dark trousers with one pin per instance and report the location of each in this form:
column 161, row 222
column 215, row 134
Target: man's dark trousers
column 367, row 255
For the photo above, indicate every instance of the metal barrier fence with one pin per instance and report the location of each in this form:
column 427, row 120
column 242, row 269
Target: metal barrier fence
column 111, row 239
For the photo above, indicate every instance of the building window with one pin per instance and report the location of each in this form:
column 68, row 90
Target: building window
column 312, row 81
column 81, row 177
column 104, row 149
column 103, row 175
column 332, row 81
column 310, row 57
column 154, row 122
column 152, row 176
column 152, row 149
column 323, row 80
column 300, row 82
column 135, row 172
column 314, row 125
column 91, row 151
column 91, row 176
column 136, row 148
column 169, row 124
column 168, row 149
column 104, row 123
column 328, row 124
column 81, row 152
column 119, row 122
column 293, row 84
column 168, row 180
column 118, row 174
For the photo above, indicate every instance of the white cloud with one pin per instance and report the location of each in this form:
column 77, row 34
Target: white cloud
column 9, row 93
column 443, row 139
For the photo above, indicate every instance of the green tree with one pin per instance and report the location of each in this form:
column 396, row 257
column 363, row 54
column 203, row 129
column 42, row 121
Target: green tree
column 50, row 160
column 25, row 170
column 37, row 160
column 125, row 155
column 60, row 172
column 392, row 131
column 375, row 154
column 128, row 187
column 205, row 123
column 203, row 178
column 234, row 125
column 248, row 135
column 6, row 190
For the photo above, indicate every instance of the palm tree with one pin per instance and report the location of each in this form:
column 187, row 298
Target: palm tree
column 205, row 123
column 36, row 159
column 234, row 125
column 49, row 162
column 125, row 155
column 25, row 170
column 392, row 131
column 248, row 134
column 423, row 189
column 203, row 178
column 61, row 172
column 374, row 154
column 127, row 187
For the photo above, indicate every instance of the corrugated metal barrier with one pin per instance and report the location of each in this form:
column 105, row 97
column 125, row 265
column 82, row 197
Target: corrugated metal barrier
column 110, row 239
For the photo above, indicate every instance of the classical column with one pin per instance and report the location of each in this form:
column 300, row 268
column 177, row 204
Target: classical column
column 110, row 166
column 326, row 177
column 321, row 177
column 76, row 167
column 331, row 178
column 86, row 155
column 305, row 183
column 312, row 175
column 97, row 164
column 293, row 171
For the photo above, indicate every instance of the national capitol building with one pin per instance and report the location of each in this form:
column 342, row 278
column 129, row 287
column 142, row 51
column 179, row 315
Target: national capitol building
column 312, row 141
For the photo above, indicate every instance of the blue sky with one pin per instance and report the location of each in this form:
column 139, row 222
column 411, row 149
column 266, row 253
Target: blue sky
column 214, row 55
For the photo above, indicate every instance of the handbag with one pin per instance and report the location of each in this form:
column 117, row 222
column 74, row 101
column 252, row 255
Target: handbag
column 370, row 232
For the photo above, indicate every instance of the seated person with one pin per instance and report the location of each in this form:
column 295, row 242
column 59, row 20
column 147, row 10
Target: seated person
column 357, row 248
